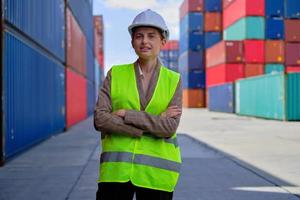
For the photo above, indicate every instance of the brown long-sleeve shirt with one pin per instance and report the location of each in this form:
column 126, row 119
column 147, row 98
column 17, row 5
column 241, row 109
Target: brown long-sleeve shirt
column 135, row 123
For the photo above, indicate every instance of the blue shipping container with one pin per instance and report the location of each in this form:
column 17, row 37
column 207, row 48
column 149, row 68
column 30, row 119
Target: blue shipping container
column 274, row 68
column 193, row 41
column 221, row 98
column 97, row 78
column 275, row 28
column 191, row 60
column 292, row 9
column 173, row 55
column 274, row 8
column 193, row 79
column 34, row 96
column 90, row 97
column 213, row 5
column 212, row 38
column 192, row 22
column 173, row 65
column 84, row 15
column 42, row 21
column 90, row 63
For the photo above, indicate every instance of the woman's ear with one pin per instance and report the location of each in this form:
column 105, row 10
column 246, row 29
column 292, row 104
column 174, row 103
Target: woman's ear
column 163, row 42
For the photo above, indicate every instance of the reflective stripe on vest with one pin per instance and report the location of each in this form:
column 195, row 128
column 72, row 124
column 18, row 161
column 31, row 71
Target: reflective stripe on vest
column 140, row 159
column 149, row 162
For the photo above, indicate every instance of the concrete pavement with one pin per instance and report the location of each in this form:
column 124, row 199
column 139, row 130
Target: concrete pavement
column 225, row 157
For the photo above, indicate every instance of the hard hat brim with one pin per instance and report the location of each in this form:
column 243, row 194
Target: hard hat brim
column 164, row 32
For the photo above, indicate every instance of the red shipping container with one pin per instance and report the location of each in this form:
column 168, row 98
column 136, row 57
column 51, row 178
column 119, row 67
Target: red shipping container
column 98, row 34
column 193, row 98
column 292, row 30
column 293, row 69
column 292, row 53
column 76, row 45
column 76, row 97
column 100, row 57
column 254, row 51
column 224, row 73
column 254, row 69
column 242, row 8
column 274, row 51
column 226, row 3
column 225, row 52
column 212, row 21
column 171, row 45
column 191, row 6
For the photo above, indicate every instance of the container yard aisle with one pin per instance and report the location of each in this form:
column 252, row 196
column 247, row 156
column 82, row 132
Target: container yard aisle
column 66, row 166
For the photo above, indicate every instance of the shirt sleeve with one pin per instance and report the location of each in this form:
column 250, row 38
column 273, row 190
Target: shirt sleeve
column 157, row 125
column 104, row 120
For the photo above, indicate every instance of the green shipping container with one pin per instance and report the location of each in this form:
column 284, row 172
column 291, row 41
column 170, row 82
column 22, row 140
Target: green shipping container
column 274, row 68
column 246, row 28
column 272, row 96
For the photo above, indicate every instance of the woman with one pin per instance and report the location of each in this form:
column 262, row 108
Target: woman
column 138, row 112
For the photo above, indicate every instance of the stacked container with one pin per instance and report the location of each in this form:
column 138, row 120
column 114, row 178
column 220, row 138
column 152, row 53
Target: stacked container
column 32, row 72
column 169, row 55
column 191, row 50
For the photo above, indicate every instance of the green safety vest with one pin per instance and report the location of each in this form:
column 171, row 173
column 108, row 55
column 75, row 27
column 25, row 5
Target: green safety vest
column 149, row 161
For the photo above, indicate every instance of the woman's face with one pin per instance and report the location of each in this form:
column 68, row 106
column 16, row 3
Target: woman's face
column 147, row 42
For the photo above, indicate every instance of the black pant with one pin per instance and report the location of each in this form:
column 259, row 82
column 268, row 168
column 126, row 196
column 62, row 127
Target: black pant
column 125, row 191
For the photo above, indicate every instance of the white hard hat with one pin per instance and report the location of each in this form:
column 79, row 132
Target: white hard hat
column 150, row 18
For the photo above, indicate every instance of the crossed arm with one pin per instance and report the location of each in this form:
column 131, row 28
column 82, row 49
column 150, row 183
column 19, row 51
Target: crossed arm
column 135, row 123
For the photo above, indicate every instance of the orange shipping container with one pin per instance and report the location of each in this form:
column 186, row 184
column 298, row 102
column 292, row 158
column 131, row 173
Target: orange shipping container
column 274, row 51
column 254, row 70
column 76, row 45
column 212, row 22
column 193, row 98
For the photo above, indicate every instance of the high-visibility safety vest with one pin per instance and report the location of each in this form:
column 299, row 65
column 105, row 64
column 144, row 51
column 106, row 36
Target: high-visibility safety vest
column 148, row 161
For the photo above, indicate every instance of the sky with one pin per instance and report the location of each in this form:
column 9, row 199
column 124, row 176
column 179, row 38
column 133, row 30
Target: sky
column 119, row 14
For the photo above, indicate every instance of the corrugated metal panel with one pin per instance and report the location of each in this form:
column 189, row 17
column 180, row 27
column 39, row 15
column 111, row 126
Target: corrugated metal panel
column 275, row 51
column 254, row 51
column 213, row 5
column 275, row 28
column 34, row 95
column 193, row 21
column 90, row 64
column 254, row 69
column 292, row 30
column 43, row 21
column 243, row 29
column 292, row 54
column 213, row 21
column 192, row 79
column 211, row 38
column 274, row 68
column 293, row 96
column 292, row 9
column 261, row 96
column 76, row 45
column 76, row 95
column 84, row 15
column 191, row 6
column 191, row 60
column 221, row 98
column 193, row 41
column 292, row 69
column 97, row 78
column 90, row 98
column 274, row 8
column 193, row 98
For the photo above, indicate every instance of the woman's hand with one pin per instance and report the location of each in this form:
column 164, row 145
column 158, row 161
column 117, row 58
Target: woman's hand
column 121, row 113
column 172, row 111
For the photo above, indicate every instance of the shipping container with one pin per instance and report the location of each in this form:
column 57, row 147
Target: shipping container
column 254, row 69
column 190, row 6
column 241, row 9
column 243, row 29
column 274, row 8
column 292, row 9
column 193, row 98
column 90, row 97
column 98, row 35
column 224, row 73
column 292, row 69
column 193, row 41
column 292, row 53
column 192, row 22
column 272, row 96
column 225, row 52
column 90, row 64
column 212, row 21
column 274, row 68
column 221, row 98
column 76, row 97
column 254, row 51
column 34, row 95
column 292, row 30
column 173, row 65
column 76, row 45
column 275, row 28
column 211, row 38
column 83, row 13
column 171, row 45
column 97, row 78
column 213, row 5
column 192, row 79
column 42, row 21
column 191, row 60
column 173, row 55
column 226, row 3
column 274, row 51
